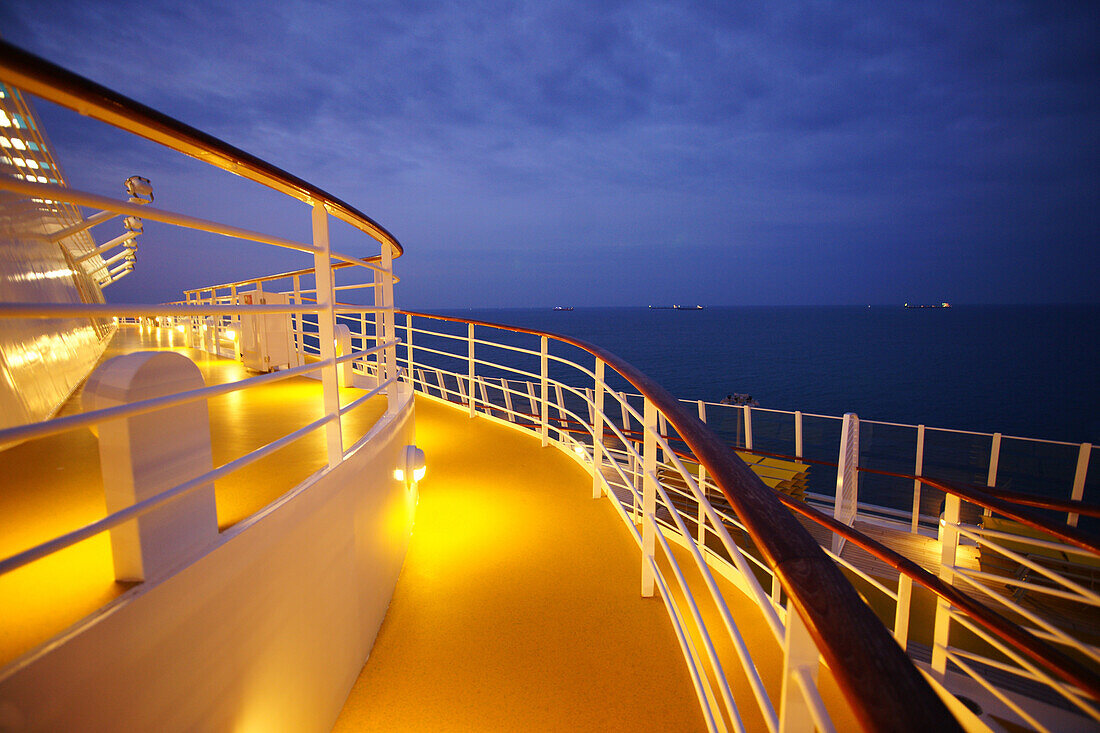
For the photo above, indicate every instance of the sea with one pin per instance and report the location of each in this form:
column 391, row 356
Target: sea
column 1024, row 371
column 1029, row 371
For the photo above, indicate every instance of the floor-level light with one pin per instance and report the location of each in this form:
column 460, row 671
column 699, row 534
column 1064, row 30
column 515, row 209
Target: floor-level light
column 413, row 469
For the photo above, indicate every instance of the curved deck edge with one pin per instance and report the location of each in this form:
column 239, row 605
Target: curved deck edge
column 270, row 628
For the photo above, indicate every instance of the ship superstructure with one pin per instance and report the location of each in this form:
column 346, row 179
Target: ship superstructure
column 245, row 507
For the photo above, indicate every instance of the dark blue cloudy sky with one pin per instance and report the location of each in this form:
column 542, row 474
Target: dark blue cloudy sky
column 619, row 153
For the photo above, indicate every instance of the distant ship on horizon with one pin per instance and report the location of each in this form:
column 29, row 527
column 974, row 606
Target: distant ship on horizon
column 676, row 307
column 563, row 307
column 932, row 305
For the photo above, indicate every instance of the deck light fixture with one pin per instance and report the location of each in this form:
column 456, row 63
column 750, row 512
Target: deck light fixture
column 414, row 468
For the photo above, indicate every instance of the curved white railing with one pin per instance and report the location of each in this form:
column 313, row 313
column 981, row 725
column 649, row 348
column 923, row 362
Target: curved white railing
column 683, row 511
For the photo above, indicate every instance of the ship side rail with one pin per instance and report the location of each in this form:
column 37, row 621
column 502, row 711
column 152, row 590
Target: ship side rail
column 211, row 322
column 533, row 386
column 528, row 388
column 191, row 318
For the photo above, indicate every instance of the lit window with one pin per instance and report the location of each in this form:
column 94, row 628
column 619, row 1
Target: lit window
column 32, row 163
column 18, row 144
column 16, row 120
column 45, row 165
column 4, row 142
column 19, row 176
column 41, row 179
column 4, row 121
column 19, row 162
column 53, row 180
column 32, row 145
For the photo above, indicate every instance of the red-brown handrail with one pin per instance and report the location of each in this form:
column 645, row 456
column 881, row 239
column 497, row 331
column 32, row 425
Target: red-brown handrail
column 858, row 649
column 1038, row 651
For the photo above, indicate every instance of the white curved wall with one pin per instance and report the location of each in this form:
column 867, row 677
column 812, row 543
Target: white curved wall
column 267, row 631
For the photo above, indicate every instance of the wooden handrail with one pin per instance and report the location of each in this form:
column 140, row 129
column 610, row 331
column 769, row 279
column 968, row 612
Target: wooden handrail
column 858, row 649
column 1038, row 651
column 49, row 81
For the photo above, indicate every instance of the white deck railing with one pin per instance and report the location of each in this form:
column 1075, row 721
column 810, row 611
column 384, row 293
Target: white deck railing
column 630, row 451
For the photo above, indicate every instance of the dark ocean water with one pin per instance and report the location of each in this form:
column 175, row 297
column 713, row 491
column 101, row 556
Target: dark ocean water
column 1030, row 371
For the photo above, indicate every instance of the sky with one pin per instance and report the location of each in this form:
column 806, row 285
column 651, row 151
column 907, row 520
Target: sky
column 529, row 154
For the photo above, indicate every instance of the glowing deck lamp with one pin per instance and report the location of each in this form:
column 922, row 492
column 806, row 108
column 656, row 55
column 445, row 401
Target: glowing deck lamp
column 231, row 334
column 180, row 328
column 414, row 468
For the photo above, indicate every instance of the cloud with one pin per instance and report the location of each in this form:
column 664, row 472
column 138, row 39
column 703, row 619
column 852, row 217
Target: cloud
column 578, row 126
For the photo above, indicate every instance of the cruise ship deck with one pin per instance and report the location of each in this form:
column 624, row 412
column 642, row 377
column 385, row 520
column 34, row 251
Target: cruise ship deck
column 518, row 604
column 282, row 502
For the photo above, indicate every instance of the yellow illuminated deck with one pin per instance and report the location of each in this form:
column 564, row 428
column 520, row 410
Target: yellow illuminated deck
column 53, row 485
column 518, row 607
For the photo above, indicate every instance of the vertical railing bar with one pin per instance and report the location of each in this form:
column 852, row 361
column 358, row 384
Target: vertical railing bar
column 994, row 459
column 544, row 431
column 918, row 471
column 1078, row 492
column 649, row 493
column 326, row 322
column 470, row 363
column 597, row 431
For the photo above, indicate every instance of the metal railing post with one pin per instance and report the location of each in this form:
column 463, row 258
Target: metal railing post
column 544, row 376
column 326, row 326
column 701, row 518
column 649, row 494
column 390, row 324
column 846, row 501
column 1078, row 492
column 299, row 329
column 748, row 427
column 994, row 459
column 470, row 364
column 800, row 657
column 901, row 610
column 798, row 434
column 597, row 432
column 949, row 543
column 918, row 472
column 408, row 348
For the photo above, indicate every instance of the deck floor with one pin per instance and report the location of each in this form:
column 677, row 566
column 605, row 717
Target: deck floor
column 519, row 605
column 53, row 485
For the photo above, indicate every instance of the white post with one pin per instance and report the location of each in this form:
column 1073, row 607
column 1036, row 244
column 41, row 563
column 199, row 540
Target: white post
column 701, row 519
column 799, row 657
column 994, row 459
column 748, row 427
column 949, row 543
column 901, row 611
column 507, row 390
column 326, row 322
column 343, row 347
column 798, row 434
column 408, row 348
column 144, row 455
column 544, row 368
column 649, row 494
column 389, row 327
column 299, row 338
column 187, row 336
column 597, row 432
column 1078, row 492
column 470, row 363
column 918, row 471
column 847, row 478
